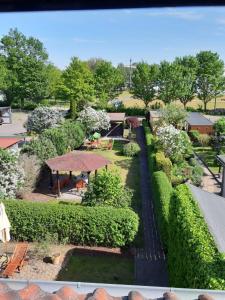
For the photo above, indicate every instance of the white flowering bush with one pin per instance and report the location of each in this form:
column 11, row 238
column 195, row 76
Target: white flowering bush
column 11, row 174
column 42, row 118
column 94, row 120
column 173, row 142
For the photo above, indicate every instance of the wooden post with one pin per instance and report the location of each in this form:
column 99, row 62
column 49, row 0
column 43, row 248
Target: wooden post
column 58, row 183
column 70, row 175
column 96, row 171
column 106, row 167
column 88, row 174
column 51, row 179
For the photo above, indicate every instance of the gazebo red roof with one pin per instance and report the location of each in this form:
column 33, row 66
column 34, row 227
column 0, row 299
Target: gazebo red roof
column 77, row 161
column 8, row 142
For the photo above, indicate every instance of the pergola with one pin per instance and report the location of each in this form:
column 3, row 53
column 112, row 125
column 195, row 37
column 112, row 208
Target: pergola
column 76, row 161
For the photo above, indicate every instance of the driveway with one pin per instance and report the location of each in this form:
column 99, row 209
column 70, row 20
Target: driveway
column 16, row 128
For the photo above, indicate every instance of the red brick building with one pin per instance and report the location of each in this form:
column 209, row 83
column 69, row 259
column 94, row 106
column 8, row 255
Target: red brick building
column 197, row 121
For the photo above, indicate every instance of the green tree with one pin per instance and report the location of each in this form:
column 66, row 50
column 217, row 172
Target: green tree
column 210, row 78
column 77, row 85
column 167, row 82
column 174, row 115
column 108, row 81
column 3, row 74
column 25, row 59
column 144, row 81
column 186, row 78
column 54, row 75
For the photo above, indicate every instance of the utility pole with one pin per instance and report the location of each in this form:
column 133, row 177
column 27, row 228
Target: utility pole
column 130, row 74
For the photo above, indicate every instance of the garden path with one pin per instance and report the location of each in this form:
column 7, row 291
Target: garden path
column 150, row 262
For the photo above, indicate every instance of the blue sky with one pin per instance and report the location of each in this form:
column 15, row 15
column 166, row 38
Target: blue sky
column 118, row 35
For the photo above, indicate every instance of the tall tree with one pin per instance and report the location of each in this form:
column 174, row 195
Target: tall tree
column 77, row 85
column 54, row 76
column 108, row 81
column 210, row 75
column 144, row 80
column 3, row 74
column 186, row 78
column 167, row 82
column 25, row 59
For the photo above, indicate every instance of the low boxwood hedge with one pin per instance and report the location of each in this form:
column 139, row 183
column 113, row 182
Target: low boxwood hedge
column 100, row 226
column 163, row 163
column 193, row 258
column 150, row 146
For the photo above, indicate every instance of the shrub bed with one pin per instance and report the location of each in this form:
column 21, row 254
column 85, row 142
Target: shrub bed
column 193, row 258
column 99, row 226
column 163, row 163
column 162, row 190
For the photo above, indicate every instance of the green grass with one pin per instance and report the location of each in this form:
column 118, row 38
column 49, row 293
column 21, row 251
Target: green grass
column 208, row 155
column 99, row 269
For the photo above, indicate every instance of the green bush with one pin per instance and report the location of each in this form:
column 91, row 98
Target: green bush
column 204, row 140
column 106, row 189
column 162, row 190
column 194, row 136
column 163, row 163
column 58, row 138
column 42, row 148
column 97, row 226
column 74, row 133
column 219, row 126
column 193, row 258
column 131, row 149
column 129, row 111
column 196, row 176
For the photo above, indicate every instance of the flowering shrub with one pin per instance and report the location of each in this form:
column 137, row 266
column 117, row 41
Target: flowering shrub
column 42, row 118
column 173, row 142
column 94, row 120
column 11, row 175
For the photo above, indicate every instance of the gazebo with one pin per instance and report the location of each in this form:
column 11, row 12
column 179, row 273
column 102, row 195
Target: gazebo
column 75, row 161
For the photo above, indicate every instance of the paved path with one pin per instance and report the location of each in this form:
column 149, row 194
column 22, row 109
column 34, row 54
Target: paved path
column 150, row 262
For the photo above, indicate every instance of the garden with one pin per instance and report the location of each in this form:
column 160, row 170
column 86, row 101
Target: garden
column 183, row 229
column 108, row 213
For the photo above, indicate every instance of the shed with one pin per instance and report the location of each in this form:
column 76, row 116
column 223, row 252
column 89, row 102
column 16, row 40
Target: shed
column 5, row 115
column 212, row 207
column 10, row 143
column 117, row 120
column 196, row 121
column 153, row 116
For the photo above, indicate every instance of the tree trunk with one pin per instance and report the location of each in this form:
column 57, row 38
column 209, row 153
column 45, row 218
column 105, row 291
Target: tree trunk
column 215, row 103
column 205, row 106
column 73, row 110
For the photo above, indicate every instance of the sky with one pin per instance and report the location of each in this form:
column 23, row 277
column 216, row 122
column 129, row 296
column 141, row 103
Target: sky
column 151, row 35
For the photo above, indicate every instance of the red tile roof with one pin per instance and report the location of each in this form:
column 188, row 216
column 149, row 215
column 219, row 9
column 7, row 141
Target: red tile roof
column 77, row 161
column 34, row 292
column 8, row 142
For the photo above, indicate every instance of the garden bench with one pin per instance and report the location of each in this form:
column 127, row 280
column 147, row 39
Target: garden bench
column 16, row 262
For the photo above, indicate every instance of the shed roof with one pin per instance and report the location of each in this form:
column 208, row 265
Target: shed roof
column 8, row 142
column 77, row 161
column 116, row 117
column 195, row 118
column 213, row 209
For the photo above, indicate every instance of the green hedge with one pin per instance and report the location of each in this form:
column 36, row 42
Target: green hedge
column 129, row 111
column 163, row 163
column 162, row 190
column 150, row 146
column 193, row 258
column 100, row 226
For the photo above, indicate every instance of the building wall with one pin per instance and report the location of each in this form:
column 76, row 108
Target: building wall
column 207, row 129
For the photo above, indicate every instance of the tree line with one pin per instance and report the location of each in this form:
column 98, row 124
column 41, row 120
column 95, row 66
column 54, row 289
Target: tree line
column 27, row 75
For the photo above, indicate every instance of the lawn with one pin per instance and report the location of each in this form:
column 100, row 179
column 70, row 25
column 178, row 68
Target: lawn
column 130, row 101
column 208, row 155
column 98, row 269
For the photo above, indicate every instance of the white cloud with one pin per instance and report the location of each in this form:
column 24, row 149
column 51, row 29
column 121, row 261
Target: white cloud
column 176, row 13
column 91, row 41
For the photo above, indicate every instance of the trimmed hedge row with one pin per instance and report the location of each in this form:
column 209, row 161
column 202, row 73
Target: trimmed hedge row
column 150, row 147
column 99, row 226
column 193, row 259
column 162, row 190
column 163, row 163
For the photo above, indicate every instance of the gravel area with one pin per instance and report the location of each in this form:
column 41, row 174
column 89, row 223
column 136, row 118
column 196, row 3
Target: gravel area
column 37, row 269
